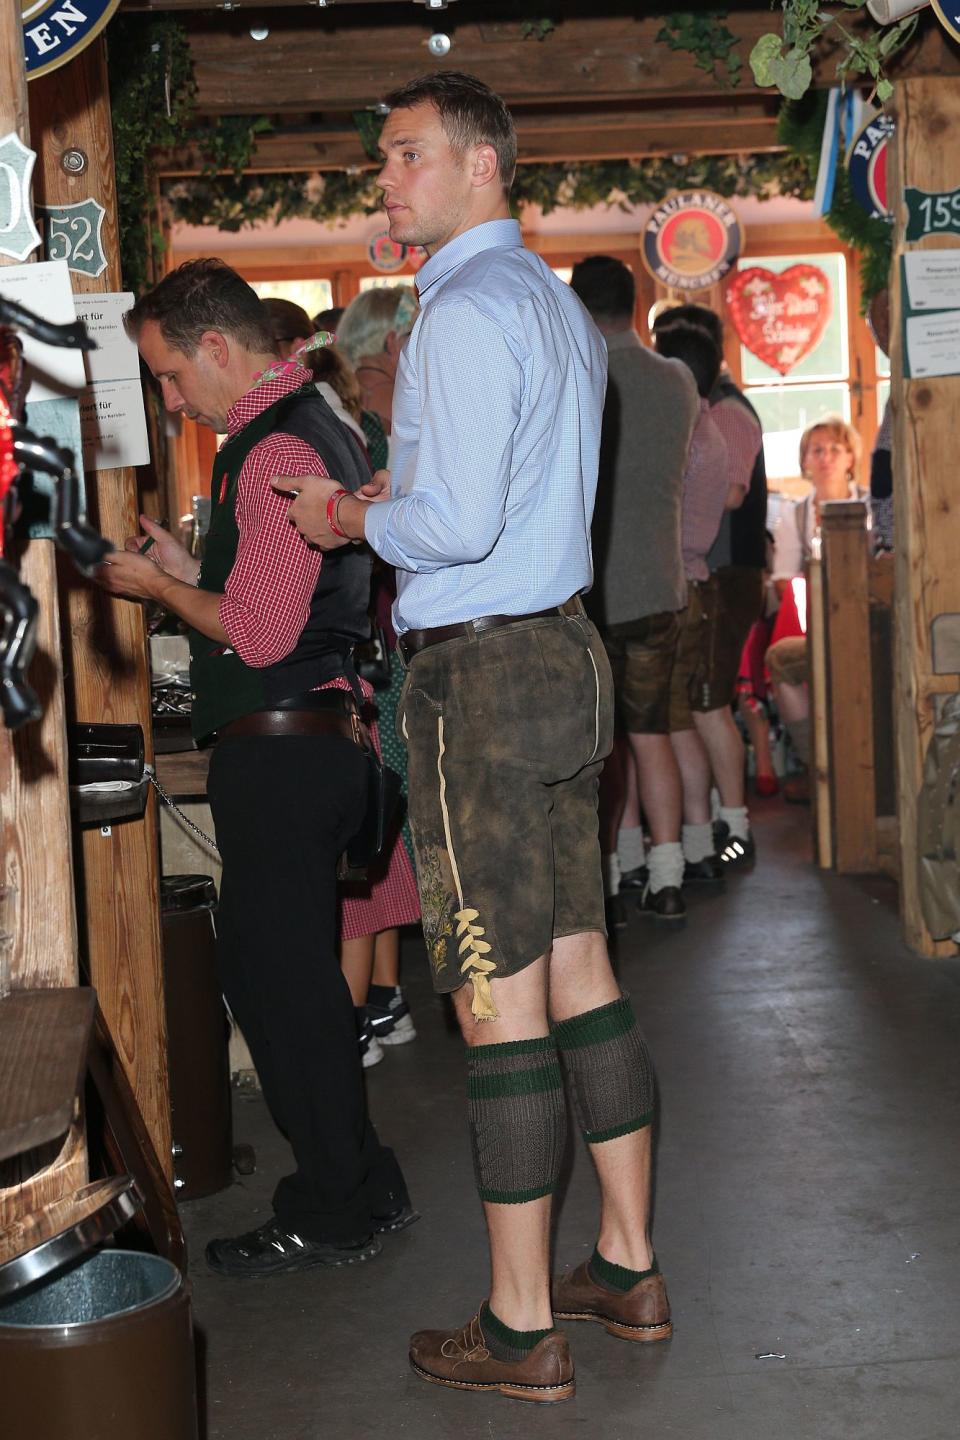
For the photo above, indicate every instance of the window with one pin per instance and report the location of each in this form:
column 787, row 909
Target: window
column 312, row 295
column 819, row 385
column 383, row 282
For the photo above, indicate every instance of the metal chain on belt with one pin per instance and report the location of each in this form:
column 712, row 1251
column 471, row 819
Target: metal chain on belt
column 172, row 805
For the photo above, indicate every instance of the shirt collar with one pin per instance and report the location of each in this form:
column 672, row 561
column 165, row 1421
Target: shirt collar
column 263, row 394
column 492, row 235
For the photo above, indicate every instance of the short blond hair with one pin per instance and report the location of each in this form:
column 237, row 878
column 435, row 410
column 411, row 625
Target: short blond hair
column 838, row 429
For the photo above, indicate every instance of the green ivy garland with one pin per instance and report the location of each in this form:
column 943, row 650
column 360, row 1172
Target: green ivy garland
column 800, row 127
column 152, row 101
column 232, row 202
column 707, row 39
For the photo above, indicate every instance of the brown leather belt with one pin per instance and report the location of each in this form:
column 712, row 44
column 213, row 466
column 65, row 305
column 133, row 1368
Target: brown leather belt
column 298, row 722
column 411, row 642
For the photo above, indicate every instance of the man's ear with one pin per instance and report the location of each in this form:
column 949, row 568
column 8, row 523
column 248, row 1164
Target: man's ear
column 391, row 343
column 485, row 169
column 216, row 347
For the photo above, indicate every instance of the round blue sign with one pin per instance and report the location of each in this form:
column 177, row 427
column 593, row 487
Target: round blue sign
column 54, row 31
column 867, row 165
column 949, row 16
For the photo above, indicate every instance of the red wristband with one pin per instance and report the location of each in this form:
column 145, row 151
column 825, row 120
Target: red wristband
column 332, row 503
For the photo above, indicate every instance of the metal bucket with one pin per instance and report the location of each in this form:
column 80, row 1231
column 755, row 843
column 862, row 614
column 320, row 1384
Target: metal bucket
column 102, row 1350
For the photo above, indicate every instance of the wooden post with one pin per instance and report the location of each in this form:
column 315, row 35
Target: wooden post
column 107, row 643
column 819, row 723
column 38, row 928
column 849, row 685
column 926, row 487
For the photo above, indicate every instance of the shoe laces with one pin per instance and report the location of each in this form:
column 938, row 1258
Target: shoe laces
column 468, row 1344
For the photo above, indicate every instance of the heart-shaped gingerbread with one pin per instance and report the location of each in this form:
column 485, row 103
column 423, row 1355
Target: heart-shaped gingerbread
column 780, row 318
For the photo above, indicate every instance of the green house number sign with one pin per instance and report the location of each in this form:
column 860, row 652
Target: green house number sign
column 931, row 213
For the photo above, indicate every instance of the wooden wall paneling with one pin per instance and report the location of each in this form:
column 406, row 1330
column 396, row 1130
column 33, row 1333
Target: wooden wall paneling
column 343, row 60
column 107, row 646
column 926, row 486
column 38, row 928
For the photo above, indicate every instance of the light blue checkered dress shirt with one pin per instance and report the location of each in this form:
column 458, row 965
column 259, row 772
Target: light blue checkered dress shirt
column 495, row 439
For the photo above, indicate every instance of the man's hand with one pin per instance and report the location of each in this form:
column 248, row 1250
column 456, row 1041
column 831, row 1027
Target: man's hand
column 376, row 488
column 165, row 551
column 135, row 576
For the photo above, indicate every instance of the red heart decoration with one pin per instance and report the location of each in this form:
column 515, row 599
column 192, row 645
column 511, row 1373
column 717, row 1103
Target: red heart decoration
column 780, row 318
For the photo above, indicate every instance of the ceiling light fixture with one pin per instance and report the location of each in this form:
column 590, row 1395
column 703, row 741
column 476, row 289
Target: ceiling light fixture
column 439, row 45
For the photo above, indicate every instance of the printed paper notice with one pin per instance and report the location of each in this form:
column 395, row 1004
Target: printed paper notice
column 44, row 288
column 933, row 344
column 933, row 279
column 111, row 407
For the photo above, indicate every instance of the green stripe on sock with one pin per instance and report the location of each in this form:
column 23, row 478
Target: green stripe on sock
column 515, row 1197
column 518, row 1082
column 512, row 1047
column 597, row 1137
column 618, row 1277
column 513, row 1344
column 595, row 1026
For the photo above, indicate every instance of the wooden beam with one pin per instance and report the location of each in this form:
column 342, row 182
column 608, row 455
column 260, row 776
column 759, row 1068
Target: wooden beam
column 552, row 139
column 926, row 491
column 325, row 61
column 107, row 644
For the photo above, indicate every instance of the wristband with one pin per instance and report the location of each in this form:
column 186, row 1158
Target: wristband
column 332, row 505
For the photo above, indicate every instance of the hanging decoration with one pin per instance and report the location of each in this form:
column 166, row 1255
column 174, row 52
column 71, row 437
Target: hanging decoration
column 54, row 31
column 691, row 240
column 75, row 233
column 780, row 318
column 18, row 234
column 867, row 165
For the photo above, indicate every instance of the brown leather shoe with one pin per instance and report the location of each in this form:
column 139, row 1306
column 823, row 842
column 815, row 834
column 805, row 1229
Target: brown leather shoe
column 642, row 1313
column 462, row 1361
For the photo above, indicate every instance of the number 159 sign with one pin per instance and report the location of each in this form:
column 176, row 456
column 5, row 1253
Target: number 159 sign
column 931, row 213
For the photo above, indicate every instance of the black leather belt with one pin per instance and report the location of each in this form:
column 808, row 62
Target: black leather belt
column 318, row 712
column 411, row 642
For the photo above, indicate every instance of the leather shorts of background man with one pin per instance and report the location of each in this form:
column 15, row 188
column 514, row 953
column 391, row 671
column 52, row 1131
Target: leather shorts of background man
column 731, row 599
column 642, row 654
column 506, row 732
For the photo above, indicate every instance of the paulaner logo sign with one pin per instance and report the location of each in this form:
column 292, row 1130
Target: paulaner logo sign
column 54, row 31
column 691, row 240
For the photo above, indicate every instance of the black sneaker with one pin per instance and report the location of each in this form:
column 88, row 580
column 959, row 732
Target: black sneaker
column 634, row 879
column 708, row 871
column 370, row 1052
column 392, row 1023
column 271, row 1250
column 735, row 852
column 395, row 1220
column 665, row 904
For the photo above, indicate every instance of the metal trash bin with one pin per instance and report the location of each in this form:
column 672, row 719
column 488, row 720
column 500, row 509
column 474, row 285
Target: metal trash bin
column 96, row 1346
column 197, row 1038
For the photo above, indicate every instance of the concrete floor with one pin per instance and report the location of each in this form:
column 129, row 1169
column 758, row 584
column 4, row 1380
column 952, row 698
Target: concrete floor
column 807, row 1201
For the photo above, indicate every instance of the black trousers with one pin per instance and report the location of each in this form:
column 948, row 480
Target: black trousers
column 283, row 808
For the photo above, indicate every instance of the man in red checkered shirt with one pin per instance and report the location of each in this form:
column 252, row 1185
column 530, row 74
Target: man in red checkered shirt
column 272, row 625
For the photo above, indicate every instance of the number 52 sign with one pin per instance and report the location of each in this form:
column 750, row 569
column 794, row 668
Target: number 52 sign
column 931, row 213
column 72, row 233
